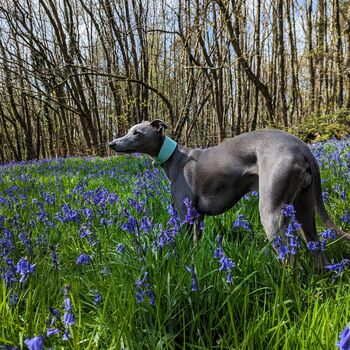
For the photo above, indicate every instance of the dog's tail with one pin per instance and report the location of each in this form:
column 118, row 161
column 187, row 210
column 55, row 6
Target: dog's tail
column 321, row 208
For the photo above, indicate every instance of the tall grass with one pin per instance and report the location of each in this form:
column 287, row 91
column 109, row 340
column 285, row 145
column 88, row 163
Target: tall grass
column 143, row 285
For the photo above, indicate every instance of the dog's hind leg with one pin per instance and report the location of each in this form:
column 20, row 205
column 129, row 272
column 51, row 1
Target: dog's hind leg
column 279, row 184
column 305, row 213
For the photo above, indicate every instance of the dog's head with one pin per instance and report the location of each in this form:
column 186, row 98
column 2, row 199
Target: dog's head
column 145, row 137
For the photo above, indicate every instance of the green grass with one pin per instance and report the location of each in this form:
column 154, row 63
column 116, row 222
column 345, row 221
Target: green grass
column 267, row 305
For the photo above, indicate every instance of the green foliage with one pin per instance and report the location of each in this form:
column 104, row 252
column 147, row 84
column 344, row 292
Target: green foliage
column 266, row 305
column 319, row 127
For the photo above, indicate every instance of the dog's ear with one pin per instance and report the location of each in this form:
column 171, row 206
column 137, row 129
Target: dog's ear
column 159, row 125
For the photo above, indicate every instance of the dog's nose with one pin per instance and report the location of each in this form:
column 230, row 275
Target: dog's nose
column 111, row 144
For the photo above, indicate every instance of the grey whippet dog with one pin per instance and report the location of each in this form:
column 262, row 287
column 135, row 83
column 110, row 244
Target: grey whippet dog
column 278, row 165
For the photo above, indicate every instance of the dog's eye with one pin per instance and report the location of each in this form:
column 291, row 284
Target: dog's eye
column 136, row 132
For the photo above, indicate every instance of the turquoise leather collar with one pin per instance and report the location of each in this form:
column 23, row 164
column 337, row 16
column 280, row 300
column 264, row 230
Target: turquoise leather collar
column 167, row 149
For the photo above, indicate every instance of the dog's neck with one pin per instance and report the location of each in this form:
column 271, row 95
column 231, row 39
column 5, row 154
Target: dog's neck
column 166, row 150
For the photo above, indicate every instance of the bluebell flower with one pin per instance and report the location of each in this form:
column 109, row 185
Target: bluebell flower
column 131, row 225
column 24, row 268
column 325, row 196
column 344, row 339
column 54, row 255
column 241, row 222
column 174, row 220
column 326, row 236
column 292, row 227
column 68, row 317
column 52, row 331
column 288, row 210
column 83, row 259
column 120, row 248
column 84, row 232
column 55, row 313
column 97, row 295
column 313, row 246
column 50, row 198
column 106, row 222
column 151, row 296
column 142, row 285
column 345, row 217
column 9, row 276
column 280, row 247
column 143, row 281
column 165, row 237
column 67, row 214
column 194, row 283
column 137, row 205
column 66, row 334
column 13, row 298
column 35, row 343
column 339, row 267
column 88, row 213
column 139, row 295
column 192, row 214
column 146, row 224
column 226, row 264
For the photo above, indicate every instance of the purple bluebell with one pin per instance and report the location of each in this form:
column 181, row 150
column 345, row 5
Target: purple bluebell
column 344, row 339
column 192, row 214
column 194, row 282
column 174, row 220
column 143, row 281
column 137, row 205
column 226, row 264
column 151, row 296
column 55, row 313
column 52, row 331
column 142, row 285
column 120, row 248
column 23, row 236
column 24, row 268
column 84, row 232
column 106, row 222
column 88, row 213
column 327, row 236
column 13, row 298
column 9, row 276
column 241, row 222
column 280, row 247
column 288, row 210
column 339, row 267
column 313, row 246
column 7, row 242
column 292, row 227
column 165, row 237
column 50, row 198
column 131, row 225
column 146, row 224
column 66, row 334
column 325, row 196
column 97, row 295
column 35, row 343
column 67, row 214
column 345, row 217
column 83, row 259
column 68, row 317
column 139, row 295
column 54, row 255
